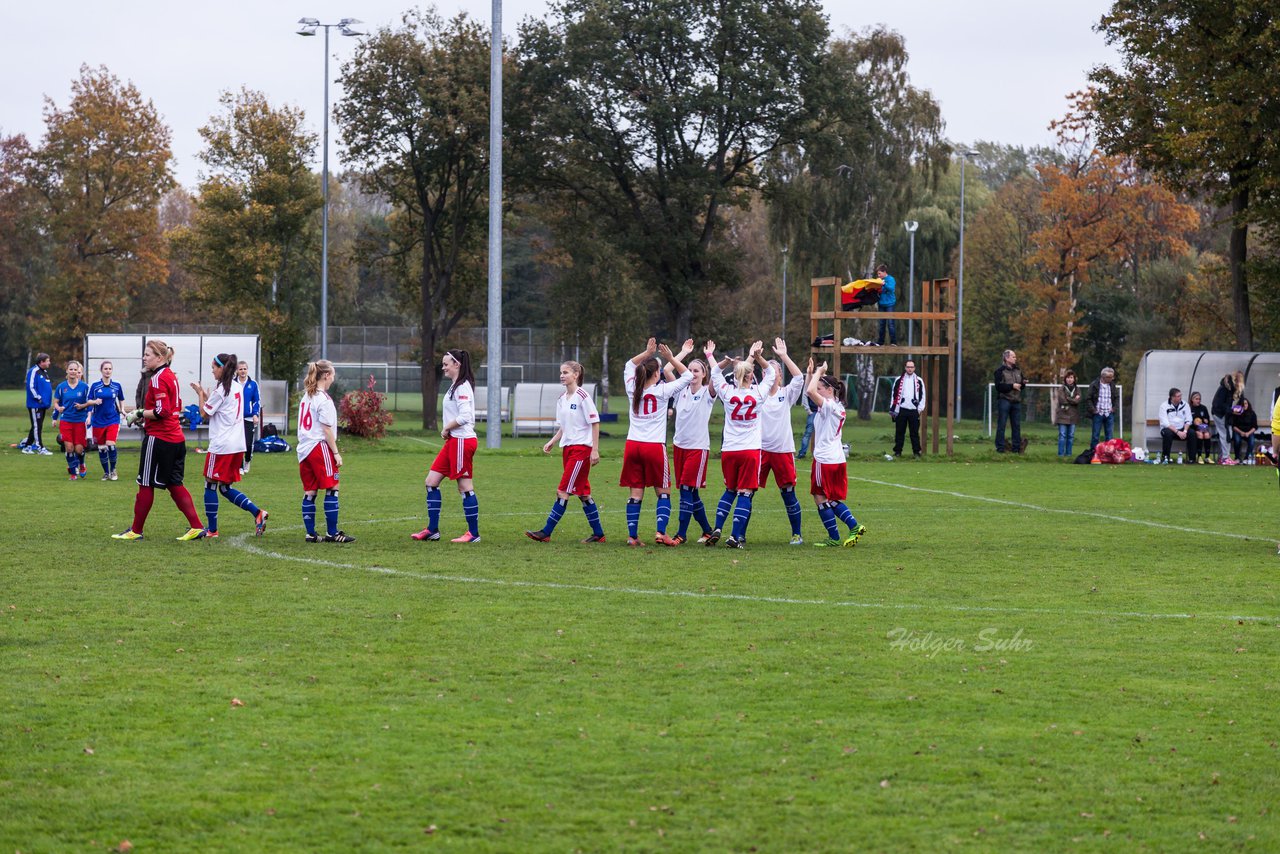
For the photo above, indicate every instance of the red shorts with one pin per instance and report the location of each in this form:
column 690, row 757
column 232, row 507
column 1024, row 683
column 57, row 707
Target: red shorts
column 454, row 459
column 72, row 434
column 645, row 464
column 830, row 480
column 103, row 435
column 691, row 468
column 577, row 469
column 318, row 470
column 741, row 469
column 783, row 467
column 224, row 468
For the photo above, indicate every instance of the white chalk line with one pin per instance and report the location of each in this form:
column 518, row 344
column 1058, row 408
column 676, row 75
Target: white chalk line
column 1103, row 516
column 241, row 541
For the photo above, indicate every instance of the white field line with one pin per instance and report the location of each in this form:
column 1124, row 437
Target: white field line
column 242, row 542
column 1103, row 516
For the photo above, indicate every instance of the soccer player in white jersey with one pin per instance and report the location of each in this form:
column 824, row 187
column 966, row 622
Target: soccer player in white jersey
column 777, row 441
column 578, row 433
column 740, row 444
column 828, row 480
column 644, row 459
column 224, row 409
column 454, row 459
column 318, row 457
column 691, row 442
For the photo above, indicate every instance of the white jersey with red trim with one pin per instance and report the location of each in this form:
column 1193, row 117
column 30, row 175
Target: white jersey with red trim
column 776, row 435
column 575, row 413
column 693, row 414
column 828, row 426
column 460, row 407
column 649, row 424
column 315, row 412
column 741, row 411
column 225, row 411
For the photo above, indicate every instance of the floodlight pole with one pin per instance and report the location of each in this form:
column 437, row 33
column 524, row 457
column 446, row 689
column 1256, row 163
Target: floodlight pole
column 911, row 226
column 493, row 435
column 964, row 157
column 784, row 292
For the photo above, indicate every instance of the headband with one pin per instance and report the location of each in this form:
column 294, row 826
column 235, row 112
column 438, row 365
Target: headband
column 219, row 362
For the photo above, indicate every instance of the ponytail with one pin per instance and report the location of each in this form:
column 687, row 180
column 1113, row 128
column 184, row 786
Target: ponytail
column 646, row 369
column 577, row 369
column 316, row 370
column 837, row 385
column 225, row 361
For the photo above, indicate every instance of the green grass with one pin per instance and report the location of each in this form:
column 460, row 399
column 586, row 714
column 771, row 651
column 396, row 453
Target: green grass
column 518, row 696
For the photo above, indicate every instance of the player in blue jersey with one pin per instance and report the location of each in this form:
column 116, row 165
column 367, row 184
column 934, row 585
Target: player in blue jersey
column 106, row 396
column 71, row 408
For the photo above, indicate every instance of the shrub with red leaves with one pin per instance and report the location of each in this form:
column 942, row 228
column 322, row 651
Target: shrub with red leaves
column 360, row 413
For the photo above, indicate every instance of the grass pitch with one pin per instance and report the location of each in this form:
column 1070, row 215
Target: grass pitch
column 1020, row 655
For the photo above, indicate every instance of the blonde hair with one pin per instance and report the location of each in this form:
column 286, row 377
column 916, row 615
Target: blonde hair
column 161, row 349
column 77, row 364
column 577, row 368
column 1237, row 380
column 742, row 371
column 316, row 370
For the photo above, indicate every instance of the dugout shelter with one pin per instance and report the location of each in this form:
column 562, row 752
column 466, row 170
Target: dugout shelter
column 1202, row 371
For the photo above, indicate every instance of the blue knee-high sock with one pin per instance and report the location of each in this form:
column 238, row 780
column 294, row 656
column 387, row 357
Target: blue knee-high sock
column 827, row 513
column 331, row 512
column 111, row 455
column 309, row 513
column 240, row 500
column 554, row 517
column 471, row 510
column 211, row 507
column 72, row 465
column 700, row 512
column 663, row 513
column 433, row 508
column 741, row 515
column 724, row 508
column 102, row 458
column 633, row 518
column 793, row 509
column 845, row 515
column 686, row 511
column 593, row 515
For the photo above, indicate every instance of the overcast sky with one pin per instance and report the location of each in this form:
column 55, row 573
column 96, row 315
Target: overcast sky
column 1001, row 69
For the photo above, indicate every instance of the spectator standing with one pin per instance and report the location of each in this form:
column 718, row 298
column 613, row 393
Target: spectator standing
column 1009, row 385
column 39, row 399
column 905, row 406
column 888, row 301
column 1102, row 405
column 1201, row 441
column 1067, row 402
column 1244, row 429
column 252, row 411
column 1175, row 423
column 1230, row 388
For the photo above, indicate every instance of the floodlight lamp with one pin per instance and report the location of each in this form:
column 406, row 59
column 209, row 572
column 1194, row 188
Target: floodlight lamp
column 911, row 226
column 349, row 27
column 973, row 152
column 306, row 31
column 310, row 22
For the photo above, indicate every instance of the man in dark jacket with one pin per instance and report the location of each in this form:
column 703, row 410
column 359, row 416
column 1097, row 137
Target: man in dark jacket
column 1103, row 401
column 1009, row 385
column 39, row 399
column 1223, row 399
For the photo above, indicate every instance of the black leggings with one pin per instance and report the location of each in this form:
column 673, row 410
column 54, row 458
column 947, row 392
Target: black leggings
column 248, row 439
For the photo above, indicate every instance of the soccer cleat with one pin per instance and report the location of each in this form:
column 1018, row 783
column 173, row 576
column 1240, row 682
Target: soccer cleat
column 311, row 538
column 208, row 535
column 594, row 538
column 710, row 539
column 677, row 540
column 191, row 534
column 73, row 478
column 702, row 540
column 114, row 475
column 340, row 537
column 661, row 539
column 260, row 523
column 854, row 535
column 635, row 542
column 467, row 537
column 27, row 449
column 83, row 472
column 126, row 534
column 107, row 476
column 44, row 452
column 426, row 534
column 538, row 536
column 245, row 470
column 825, row 543
column 797, row 540
column 732, row 543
